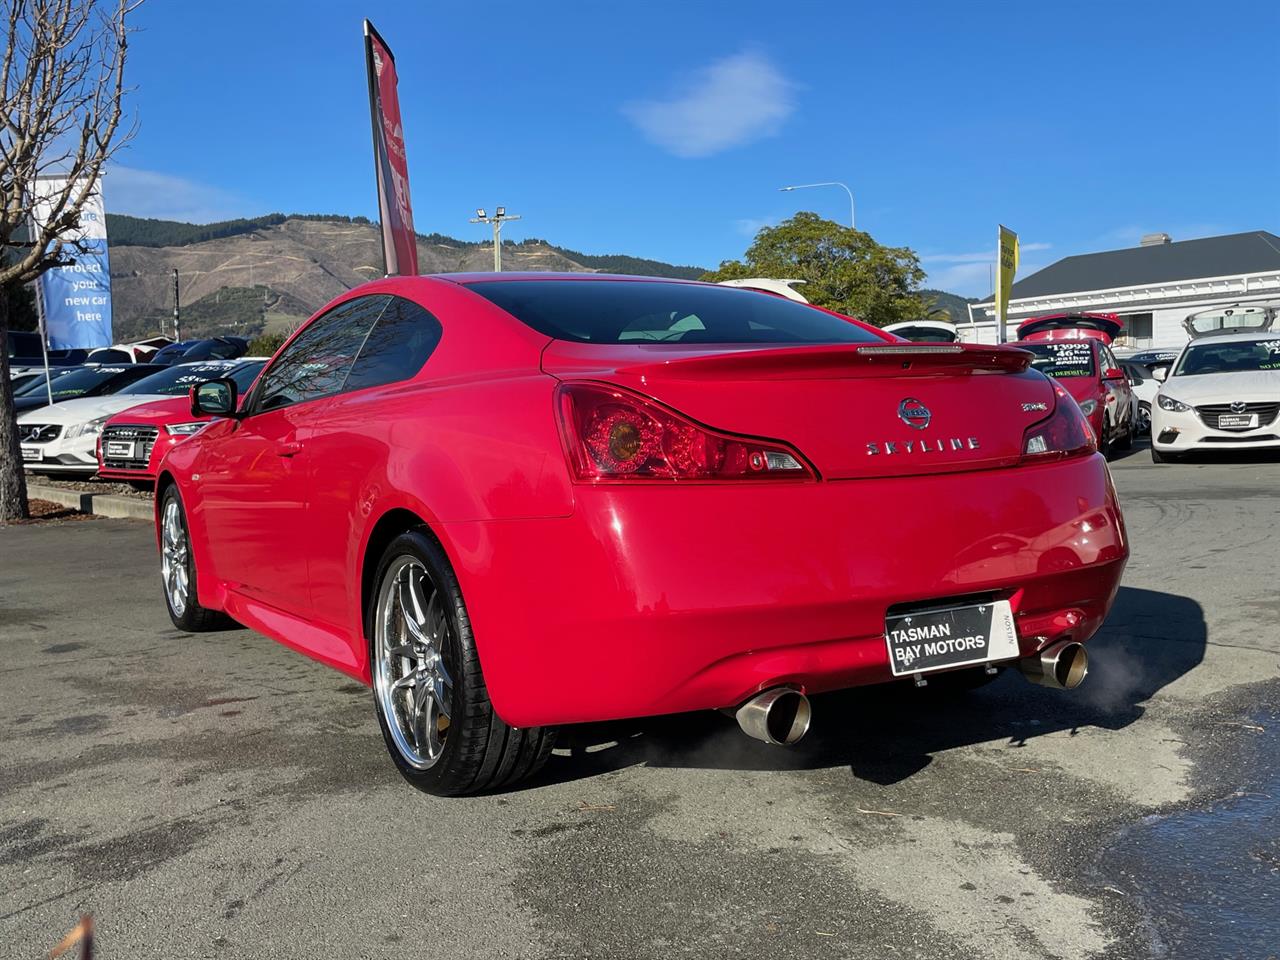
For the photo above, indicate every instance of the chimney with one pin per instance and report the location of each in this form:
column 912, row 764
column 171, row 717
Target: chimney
column 1155, row 239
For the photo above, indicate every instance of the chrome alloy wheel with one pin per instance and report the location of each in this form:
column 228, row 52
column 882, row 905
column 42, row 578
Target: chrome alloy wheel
column 410, row 679
column 173, row 557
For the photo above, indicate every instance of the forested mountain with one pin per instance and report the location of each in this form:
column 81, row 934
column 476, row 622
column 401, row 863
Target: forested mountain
column 956, row 306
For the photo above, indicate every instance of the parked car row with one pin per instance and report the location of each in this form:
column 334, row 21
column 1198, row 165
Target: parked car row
column 104, row 419
column 26, row 356
column 1221, row 391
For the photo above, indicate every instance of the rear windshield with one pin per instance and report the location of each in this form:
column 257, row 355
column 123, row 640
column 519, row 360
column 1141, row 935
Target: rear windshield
column 641, row 311
column 1062, row 359
column 1242, row 356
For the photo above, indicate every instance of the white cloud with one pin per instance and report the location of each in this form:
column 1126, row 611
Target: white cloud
column 147, row 193
column 731, row 102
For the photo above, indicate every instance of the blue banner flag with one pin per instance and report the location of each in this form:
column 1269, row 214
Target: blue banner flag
column 76, row 298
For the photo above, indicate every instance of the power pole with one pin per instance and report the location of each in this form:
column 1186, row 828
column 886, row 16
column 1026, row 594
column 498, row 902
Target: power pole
column 499, row 217
column 177, row 321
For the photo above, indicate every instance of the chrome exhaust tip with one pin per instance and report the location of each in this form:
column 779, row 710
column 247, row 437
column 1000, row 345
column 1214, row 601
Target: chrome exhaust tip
column 779, row 716
column 1063, row 665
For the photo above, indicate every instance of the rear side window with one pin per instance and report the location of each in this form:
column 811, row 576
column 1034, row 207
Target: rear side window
column 642, row 311
column 318, row 360
column 397, row 346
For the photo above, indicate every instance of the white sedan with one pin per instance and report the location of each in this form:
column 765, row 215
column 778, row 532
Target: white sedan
column 1222, row 393
column 63, row 438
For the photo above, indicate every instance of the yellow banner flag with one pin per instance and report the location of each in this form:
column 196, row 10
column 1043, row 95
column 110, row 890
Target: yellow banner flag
column 1006, row 268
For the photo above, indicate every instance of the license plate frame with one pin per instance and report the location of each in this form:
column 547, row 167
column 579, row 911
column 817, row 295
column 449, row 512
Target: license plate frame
column 1237, row 421
column 119, row 450
column 31, row 454
column 946, row 637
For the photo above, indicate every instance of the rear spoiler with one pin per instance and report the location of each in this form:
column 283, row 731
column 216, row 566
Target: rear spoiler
column 834, row 360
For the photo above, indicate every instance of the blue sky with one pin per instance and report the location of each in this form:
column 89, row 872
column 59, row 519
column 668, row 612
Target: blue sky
column 665, row 129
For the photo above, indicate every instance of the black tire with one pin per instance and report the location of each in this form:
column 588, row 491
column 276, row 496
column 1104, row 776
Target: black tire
column 1106, row 445
column 1144, row 414
column 193, row 618
column 1127, row 444
column 480, row 752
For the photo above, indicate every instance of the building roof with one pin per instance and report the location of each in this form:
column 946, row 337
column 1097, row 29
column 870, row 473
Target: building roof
column 1234, row 254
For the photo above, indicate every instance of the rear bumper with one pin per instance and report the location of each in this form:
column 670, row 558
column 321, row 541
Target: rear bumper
column 663, row 599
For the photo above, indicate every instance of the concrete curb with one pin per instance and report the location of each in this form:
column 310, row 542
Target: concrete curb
column 100, row 504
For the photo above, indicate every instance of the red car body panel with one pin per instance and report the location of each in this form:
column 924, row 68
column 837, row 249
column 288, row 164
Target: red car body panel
column 158, row 413
column 598, row 601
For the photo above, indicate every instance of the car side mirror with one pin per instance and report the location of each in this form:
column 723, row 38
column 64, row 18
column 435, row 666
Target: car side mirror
column 1113, row 373
column 1160, row 374
column 214, row 398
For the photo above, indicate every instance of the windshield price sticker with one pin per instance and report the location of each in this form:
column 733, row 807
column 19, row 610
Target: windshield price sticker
column 1072, row 354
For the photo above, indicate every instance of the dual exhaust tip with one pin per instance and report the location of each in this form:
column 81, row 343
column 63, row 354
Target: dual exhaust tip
column 781, row 715
column 1063, row 665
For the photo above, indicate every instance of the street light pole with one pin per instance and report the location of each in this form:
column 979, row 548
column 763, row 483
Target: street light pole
column 828, row 183
column 499, row 217
column 177, row 321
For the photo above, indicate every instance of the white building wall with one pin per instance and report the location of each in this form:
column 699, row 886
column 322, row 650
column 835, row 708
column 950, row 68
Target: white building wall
column 1166, row 326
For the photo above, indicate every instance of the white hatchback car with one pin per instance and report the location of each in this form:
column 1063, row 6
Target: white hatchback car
column 1223, row 391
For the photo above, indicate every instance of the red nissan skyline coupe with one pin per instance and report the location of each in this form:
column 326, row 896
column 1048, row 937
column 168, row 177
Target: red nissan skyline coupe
column 510, row 502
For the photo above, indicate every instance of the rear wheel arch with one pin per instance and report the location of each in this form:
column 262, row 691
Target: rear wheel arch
column 390, row 525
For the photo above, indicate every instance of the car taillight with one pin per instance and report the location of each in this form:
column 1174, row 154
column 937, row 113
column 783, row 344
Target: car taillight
column 1065, row 433
column 613, row 434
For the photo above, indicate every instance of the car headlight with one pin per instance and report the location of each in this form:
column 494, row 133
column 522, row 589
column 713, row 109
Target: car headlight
column 1088, row 407
column 90, row 429
column 185, row 429
column 1175, row 406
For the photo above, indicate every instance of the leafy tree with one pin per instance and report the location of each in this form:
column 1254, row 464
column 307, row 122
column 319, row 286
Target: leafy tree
column 843, row 269
column 266, row 344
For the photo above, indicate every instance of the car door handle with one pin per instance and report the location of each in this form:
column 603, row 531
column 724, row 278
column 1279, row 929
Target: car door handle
column 288, row 449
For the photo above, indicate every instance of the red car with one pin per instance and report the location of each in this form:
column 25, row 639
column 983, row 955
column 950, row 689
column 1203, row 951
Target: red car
column 510, row 502
column 1075, row 349
column 134, row 441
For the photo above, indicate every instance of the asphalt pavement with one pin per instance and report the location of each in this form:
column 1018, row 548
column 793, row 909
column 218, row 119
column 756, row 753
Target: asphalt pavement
column 221, row 796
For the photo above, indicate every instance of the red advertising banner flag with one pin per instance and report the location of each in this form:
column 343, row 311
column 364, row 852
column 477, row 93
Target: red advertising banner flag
column 399, row 245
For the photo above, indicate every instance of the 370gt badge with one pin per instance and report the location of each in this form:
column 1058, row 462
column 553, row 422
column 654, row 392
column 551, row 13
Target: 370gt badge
column 914, row 413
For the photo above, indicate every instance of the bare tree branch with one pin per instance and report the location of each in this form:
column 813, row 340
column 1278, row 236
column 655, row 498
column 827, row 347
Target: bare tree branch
column 62, row 105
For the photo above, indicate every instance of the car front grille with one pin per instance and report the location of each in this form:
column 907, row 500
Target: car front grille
column 38, row 432
column 142, row 438
column 1210, row 412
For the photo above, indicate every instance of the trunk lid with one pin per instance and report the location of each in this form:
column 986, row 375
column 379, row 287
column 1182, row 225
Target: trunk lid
column 854, row 410
column 1252, row 318
column 1071, row 326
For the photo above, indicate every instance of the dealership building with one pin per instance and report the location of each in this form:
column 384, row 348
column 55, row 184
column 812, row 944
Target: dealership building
column 1153, row 287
